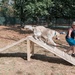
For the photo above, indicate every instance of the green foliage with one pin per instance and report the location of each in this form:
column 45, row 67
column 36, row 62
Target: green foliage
column 32, row 8
column 64, row 8
column 6, row 9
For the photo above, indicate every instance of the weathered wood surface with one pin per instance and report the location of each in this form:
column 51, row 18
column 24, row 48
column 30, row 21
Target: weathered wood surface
column 54, row 50
column 11, row 45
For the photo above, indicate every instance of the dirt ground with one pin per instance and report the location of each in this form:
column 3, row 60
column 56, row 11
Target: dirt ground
column 13, row 60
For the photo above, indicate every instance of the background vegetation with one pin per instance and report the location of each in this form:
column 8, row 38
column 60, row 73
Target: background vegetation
column 36, row 11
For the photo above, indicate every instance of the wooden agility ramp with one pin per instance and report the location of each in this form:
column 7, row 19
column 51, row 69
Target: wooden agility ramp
column 30, row 49
column 54, row 50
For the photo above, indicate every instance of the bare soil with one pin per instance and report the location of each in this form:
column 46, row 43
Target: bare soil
column 13, row 60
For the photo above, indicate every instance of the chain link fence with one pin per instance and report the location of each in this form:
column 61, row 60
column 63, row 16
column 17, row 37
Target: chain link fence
column 54, row 22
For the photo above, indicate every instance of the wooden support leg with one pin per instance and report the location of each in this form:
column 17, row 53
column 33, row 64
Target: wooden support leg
column 28, row 50
column 32, row 48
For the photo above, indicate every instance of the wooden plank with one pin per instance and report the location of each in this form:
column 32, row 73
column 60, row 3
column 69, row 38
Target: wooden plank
column 11, row 45
column 65, row 56
column 54, row 50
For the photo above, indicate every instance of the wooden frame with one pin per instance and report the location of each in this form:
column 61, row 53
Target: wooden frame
column 54, row 50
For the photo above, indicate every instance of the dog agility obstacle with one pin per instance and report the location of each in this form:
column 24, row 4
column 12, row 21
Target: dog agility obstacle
column 30, row 49
column 54, row 50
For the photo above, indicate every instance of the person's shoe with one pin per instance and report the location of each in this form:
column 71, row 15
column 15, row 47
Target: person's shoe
column 73, row 55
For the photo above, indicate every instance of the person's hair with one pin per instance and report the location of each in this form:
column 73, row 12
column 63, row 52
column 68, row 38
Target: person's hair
column 73, row 23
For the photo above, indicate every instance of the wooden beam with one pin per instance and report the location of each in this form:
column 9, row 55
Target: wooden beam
column 28, row 50
column 32, row 47
column 11, row 45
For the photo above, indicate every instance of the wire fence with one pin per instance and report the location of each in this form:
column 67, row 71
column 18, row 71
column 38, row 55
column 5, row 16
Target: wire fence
column 54, row 22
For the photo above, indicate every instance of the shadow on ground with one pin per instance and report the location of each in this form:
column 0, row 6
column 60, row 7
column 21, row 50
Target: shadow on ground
column 37, row 57
column 50, row 59
column 22, row 55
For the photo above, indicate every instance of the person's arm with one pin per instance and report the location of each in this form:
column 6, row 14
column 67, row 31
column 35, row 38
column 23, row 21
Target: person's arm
column 69, row 33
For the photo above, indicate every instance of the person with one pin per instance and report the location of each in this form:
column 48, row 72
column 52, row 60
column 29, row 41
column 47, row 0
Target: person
column 70, row 38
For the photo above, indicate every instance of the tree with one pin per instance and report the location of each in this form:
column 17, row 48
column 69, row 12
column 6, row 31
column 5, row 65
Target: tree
column 19, row 6
column 48, row 9
column 6, row 10
column 32, row 9
column 63, row 8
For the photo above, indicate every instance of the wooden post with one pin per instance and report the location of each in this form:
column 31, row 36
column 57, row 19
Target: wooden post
column 32, row 48
column 28, row 50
